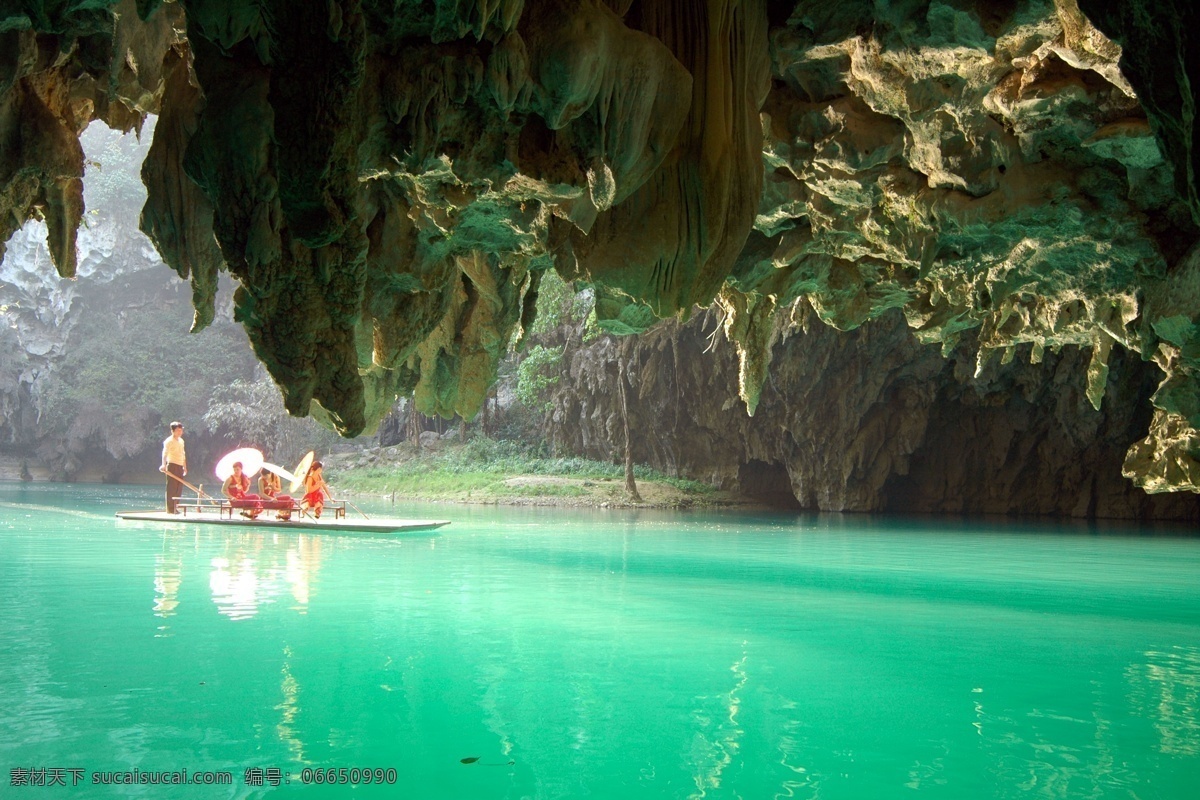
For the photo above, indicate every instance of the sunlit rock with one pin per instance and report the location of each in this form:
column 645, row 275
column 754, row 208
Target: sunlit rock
column 982, row 170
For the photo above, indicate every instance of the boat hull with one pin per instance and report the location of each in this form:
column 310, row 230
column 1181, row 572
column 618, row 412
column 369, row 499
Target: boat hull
column 327, row 525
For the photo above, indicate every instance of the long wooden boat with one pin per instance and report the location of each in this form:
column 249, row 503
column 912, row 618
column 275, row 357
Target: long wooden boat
column 327, row 524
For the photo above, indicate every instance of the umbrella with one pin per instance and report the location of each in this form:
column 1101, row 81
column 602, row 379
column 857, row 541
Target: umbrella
column 252, row 461
column 300, row 472
column 280, row 471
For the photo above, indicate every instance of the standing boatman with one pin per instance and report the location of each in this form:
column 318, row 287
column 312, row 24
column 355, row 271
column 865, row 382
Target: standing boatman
column 174, row 464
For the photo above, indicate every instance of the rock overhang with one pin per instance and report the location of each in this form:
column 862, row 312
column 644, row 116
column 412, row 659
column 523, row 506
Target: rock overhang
column 388, row 181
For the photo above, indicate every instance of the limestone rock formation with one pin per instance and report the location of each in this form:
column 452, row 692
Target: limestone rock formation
column 387, row 181
column 36, row 305
column 982, row 168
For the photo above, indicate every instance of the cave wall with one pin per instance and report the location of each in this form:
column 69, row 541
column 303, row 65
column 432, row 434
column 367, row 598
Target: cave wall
column 387, row 181
column 872, row 420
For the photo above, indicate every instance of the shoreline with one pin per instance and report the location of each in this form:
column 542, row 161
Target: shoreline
column 566, row 492
column 486, row 471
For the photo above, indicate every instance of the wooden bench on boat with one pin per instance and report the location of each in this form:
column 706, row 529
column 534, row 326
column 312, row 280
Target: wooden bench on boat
column 225, row 508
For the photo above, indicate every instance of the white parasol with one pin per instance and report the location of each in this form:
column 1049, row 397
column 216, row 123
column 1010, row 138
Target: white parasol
column 301, row 472
column 252, row 462
column 280, row 471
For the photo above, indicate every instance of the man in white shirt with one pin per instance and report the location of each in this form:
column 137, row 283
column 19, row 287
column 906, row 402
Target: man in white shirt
column 174, row 464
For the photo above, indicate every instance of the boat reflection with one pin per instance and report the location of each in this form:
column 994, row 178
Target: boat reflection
column 235, row 587
column 303, row 561
column 256, row 571
column 168, row 576
column 253, row 569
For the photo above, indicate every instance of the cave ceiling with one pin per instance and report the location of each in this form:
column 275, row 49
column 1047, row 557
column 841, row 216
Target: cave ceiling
column 388, row 181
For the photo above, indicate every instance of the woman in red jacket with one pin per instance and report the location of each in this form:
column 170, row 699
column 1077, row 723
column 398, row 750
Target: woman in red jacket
column 236, row 488
column 269, row 489
column 314, row 490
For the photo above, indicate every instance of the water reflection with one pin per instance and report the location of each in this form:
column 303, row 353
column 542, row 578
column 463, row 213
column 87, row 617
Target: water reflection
column 235, row 587
column 303, row 561
column 254, row 572
column 931, row 772
column 289, row 687
column 800, row 781
column 494, row 675
column 168, row 575
column 1046, row 753
column 717, row 741
column 1166, row 691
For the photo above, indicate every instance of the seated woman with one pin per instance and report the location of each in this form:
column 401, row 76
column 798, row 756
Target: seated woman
column 314, row 490
column 236, row 488
column 269, row 488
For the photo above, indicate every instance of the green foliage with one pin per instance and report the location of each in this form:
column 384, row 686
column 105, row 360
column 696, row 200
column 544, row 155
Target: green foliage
column 536, row 374
column 554, row 303
column 418, row 482
column 247, row 411
column 583, row 304
column 583, row 312
column 563, row 314
column 591, row 328
column 480, row 467
column 560, row 304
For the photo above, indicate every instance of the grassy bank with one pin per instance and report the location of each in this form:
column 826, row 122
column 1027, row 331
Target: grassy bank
column 484, row 470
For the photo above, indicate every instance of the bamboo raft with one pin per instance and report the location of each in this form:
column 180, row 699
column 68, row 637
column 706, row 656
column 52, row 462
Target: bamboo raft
column 334, row 521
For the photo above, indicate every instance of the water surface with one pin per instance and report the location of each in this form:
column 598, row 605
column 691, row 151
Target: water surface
column 600, row 654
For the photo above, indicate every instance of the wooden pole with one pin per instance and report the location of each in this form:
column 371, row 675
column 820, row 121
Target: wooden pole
column 199, row 492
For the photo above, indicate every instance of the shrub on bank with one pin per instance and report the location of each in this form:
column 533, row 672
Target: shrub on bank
column 481, row 465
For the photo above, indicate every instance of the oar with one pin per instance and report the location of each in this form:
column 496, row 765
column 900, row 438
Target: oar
column 199, row 492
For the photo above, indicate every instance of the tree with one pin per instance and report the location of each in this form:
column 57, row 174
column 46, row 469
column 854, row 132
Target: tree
column 537, row 373
column 251, row 412
column 622, row 377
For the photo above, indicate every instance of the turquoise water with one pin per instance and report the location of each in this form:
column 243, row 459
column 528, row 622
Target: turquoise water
column 598, row 655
